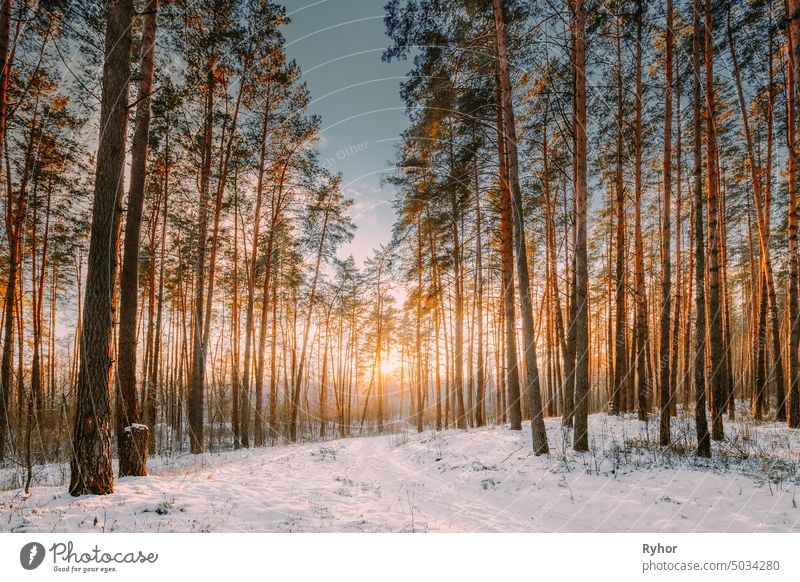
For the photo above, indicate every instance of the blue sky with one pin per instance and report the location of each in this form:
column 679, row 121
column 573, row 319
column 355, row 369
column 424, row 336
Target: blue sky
column 338, row 45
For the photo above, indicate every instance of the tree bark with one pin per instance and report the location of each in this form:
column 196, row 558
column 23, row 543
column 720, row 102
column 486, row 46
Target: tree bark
column 90, row 468
column 539, row 434
column 243, row 436
column 666, row 234
column 640, row 289
column 620, row 316
column 793, row 70
column 480, row 391
column 5, row 366
column 581, row 429
column 198, row 371
column 513, row 409
column 131, row 461
column 701, row 423
column 717, row 379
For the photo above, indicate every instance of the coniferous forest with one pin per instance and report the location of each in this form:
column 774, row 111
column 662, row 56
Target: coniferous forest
column 593, row 256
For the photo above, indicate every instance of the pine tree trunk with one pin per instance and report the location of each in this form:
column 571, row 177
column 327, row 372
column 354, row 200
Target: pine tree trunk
column 155, row 368
column 620, row 316
column 236, row 386
column 244, row 416
column 781, row 414
column 5, row 367
column 14, row 223
column 480, row 391
column 666, row 234
column 679, row 331
column 295, row 400
column 793, row 70
column 717, row 379
column 640, row 289
column 131, row 462
column 513, row 409
column 458, row 300
column 539, row 434
column 198, row 370
column 581, row 429
column 418, row 331
column 91, row 470
column 558, row 322
column 701, row 423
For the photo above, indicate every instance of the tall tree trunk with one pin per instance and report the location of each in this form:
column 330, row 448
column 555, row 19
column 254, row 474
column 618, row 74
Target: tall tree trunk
column 16, row 210
column 679, row 331
column 132, row 461
column 620, row 316
column 480, row 390
column 513, row 409
column 38, row 278
column 701, row 423
column 5, row 367
column 539, row 434
column 717, row 379
column 91, row 469
column 793, row 70
column 666, row 234
column 251, row 287
column 198, row 371
column 155, row 368
column 312, row 295
column 781, row 414
column 762, row 219
column 222, row 181
column 458, row 300
column 418, row 331
column 640, row 289
column 550, row 208
column 581, row 439
column 323, row 383
column 236, row 376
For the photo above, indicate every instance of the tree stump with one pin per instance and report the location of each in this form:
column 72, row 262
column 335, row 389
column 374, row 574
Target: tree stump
column 133, row 451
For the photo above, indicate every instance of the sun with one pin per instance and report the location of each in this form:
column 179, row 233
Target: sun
column 390, row 364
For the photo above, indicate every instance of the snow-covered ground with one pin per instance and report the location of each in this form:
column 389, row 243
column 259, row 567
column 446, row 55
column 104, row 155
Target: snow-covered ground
column 481, row 480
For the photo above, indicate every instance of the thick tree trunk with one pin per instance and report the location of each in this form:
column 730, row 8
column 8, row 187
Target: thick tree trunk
column 640, row 289
column 701, row 423
column 581, row 429
column 5, row 367
column 621, row 371
column 717, row 379
column 91, row 470
column 539, row 434
column 666, row 234
column 127, row 409
column 793, row 70
column 513, row 409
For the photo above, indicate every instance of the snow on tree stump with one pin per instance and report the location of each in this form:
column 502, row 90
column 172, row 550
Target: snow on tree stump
column 133, row 451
